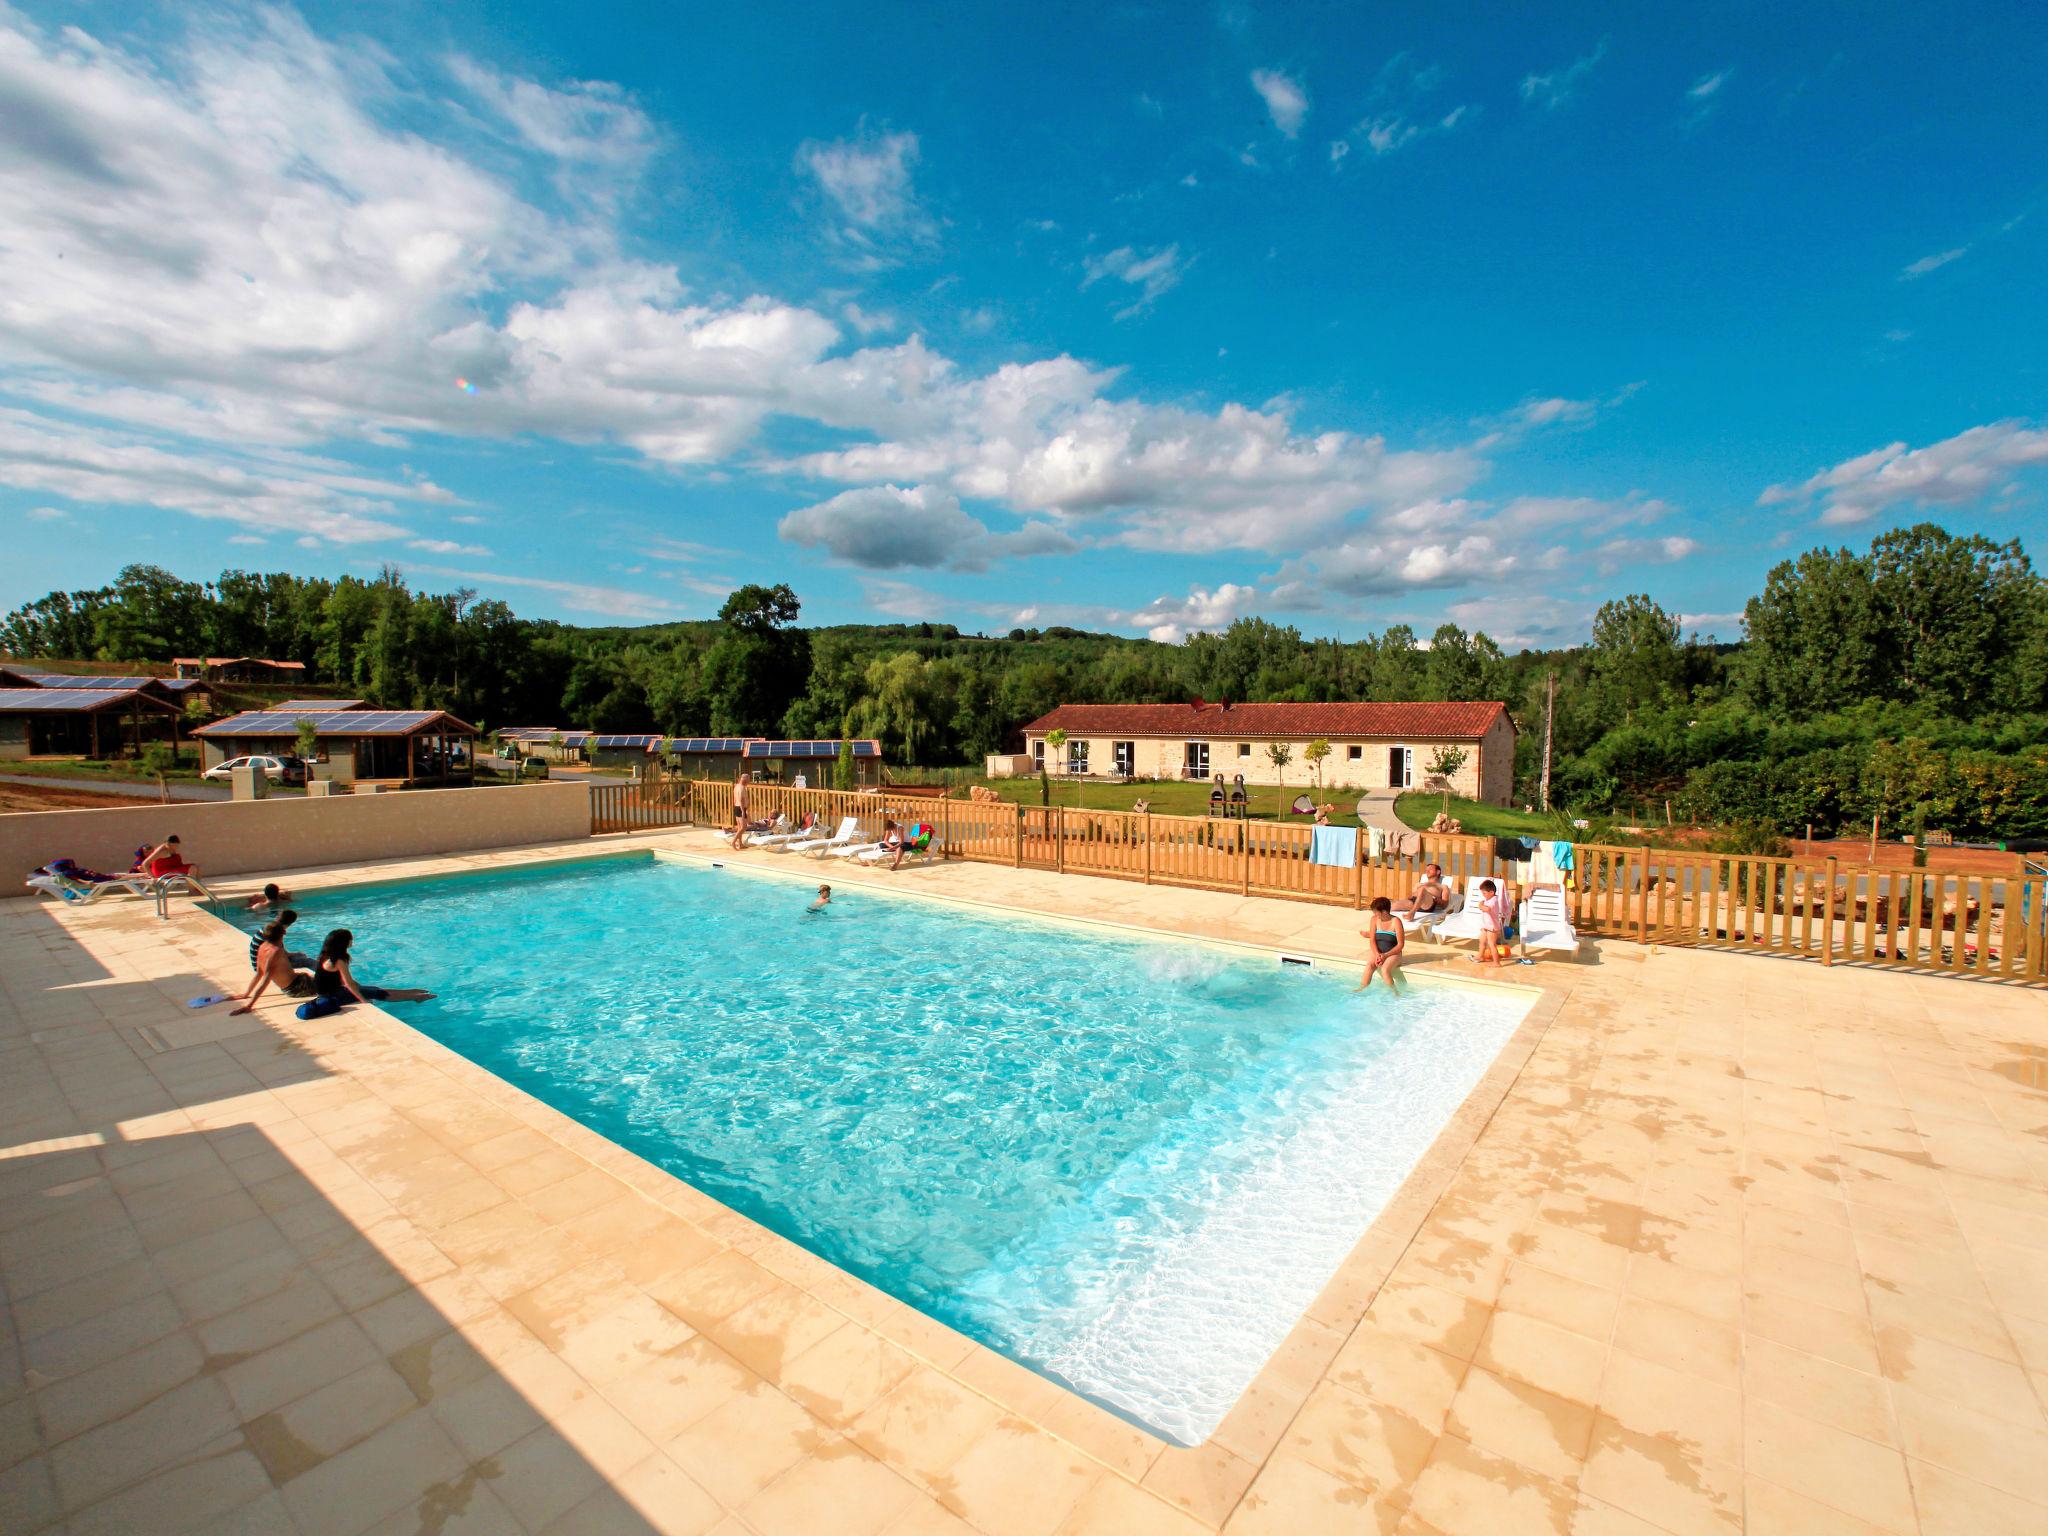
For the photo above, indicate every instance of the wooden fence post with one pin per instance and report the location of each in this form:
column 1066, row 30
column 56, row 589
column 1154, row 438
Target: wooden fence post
column 1643, row 918
column 1059, row 836
column 1358, row 879
column 946, row 827
column 1020, row 837
column 1827, row 942
column 1148, row 847
column 1244, row 843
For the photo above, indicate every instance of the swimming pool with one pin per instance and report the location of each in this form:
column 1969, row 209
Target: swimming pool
column 1126, row 1163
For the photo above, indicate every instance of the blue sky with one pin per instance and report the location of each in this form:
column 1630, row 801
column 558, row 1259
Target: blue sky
column 1138, row 317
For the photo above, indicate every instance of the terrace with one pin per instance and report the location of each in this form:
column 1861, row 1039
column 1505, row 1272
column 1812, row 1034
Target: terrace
column 1721, row 1242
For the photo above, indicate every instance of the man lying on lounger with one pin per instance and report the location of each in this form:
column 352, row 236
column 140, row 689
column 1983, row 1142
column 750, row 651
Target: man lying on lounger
column 1431, row 894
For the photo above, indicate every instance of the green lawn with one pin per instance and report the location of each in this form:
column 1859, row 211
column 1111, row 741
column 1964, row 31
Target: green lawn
column 1418, row 809
column 1177, row 797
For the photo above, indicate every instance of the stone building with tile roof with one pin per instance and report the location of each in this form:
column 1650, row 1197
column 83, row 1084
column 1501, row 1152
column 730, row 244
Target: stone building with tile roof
column 1372, row 746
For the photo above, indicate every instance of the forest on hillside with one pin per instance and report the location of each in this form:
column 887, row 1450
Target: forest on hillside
column 1908, row 680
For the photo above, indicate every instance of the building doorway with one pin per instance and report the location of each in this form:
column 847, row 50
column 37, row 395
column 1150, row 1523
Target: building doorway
column 1195, row 762
column 1400, row 767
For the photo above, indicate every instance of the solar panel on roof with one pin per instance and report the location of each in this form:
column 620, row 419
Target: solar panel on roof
column 74, row 680
column 348, row 722
column 623, row 741
column 64, row 700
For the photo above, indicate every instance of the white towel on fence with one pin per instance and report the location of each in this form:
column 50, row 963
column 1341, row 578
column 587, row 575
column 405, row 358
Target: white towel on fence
column 1375, row 843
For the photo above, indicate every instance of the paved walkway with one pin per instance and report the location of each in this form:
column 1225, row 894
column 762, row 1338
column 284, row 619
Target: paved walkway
column 1726, row 1243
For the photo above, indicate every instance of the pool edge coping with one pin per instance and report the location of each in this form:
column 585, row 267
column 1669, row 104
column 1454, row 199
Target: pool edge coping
column 1256, row 1423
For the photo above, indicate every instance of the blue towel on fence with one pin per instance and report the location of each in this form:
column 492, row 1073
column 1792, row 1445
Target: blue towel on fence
column 1561, row 855
column 1333, row 845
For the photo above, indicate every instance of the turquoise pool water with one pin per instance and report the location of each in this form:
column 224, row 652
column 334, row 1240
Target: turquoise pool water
column 1126, row 1163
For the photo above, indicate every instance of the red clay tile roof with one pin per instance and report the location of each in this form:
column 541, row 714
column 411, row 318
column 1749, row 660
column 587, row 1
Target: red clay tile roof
column 1432, row 722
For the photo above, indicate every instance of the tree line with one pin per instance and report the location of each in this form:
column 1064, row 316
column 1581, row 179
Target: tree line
column 1909, row 680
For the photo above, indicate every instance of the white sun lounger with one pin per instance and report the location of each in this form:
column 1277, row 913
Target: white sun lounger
column 1454, row 899
column 776, row 839
column 83, row 892
column 1545, row 923
column 849, row 831
column 1462, row 924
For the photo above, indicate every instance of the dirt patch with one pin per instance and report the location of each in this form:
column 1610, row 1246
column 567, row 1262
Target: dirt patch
column 56, row 797
column 1940, row 860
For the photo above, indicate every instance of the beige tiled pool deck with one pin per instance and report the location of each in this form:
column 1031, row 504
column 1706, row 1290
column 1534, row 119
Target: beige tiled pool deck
column 1723, row 1243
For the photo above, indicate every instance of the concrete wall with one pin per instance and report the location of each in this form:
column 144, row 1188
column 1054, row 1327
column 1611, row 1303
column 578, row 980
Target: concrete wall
column 224, row 837
column 1488, row 773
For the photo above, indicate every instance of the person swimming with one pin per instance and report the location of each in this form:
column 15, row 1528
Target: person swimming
column 824, row 899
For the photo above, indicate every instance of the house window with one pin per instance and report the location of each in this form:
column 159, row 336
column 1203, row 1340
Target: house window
column 1354, row 753
column 1244, row 749
column 1077, row 757
column 1126, row 756
column 1038, row 755
column 1195, row 761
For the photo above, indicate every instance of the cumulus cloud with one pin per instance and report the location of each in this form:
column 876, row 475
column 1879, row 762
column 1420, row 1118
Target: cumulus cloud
column 1152, row 274
column 1964, row 468
column 889, row 527
column 223, row 273
column 1554, row 89
column 1170, row 619
column 1286, row 99
column 867, row 180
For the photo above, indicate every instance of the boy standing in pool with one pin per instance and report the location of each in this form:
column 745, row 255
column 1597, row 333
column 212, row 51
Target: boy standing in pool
column 824, row 899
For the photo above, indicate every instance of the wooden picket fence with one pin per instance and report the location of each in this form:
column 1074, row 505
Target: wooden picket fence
column 1977, row 925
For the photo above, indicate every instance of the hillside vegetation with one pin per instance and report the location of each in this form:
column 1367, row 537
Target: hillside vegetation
column 1908, row 680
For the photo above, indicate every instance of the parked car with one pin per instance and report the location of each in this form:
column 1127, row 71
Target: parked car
column 279, row 770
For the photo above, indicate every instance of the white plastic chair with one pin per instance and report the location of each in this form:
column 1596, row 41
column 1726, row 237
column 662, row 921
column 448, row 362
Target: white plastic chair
column 1546, row 924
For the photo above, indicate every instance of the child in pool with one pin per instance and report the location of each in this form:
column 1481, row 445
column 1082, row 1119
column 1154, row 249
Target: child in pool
column 1388, row 940
column 824, row 899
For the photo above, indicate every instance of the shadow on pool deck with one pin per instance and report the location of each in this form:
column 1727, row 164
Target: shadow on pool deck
column 197, row 1336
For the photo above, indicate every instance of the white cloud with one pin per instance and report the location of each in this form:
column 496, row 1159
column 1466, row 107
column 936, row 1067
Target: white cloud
column 1171, row 619
column 284, row 495
column 889, row 527
column 599, row 137
column 1153, row 274
column 1959, row 469
column 1286, row 99
column 1622, row 554
column 1714, row 626
column 1927, row 264
column 47, row 514
column 1703, row 96
column 1557, row 87
column 867, row 179
column 445, row 547
column 255, row 266
column 582, row 597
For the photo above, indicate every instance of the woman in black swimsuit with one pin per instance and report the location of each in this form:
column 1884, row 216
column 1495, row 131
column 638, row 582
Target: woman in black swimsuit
column 1388, row 940
column 335, row 986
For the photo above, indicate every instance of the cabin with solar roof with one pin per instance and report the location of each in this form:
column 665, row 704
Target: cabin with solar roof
column 85, row 722
column 356, row 746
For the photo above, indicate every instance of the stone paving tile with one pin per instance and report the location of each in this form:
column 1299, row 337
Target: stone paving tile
column 1736, row 1243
